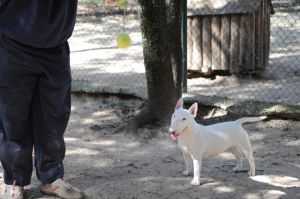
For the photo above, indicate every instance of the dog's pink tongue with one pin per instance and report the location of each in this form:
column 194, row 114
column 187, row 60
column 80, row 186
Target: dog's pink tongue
column 173, row 136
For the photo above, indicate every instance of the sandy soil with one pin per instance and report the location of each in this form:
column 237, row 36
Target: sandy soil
column 109, row 165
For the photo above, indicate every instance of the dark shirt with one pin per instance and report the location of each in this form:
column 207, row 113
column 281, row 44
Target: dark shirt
column 38, row 23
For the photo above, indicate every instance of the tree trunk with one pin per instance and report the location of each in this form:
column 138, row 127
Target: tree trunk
column 161, row 28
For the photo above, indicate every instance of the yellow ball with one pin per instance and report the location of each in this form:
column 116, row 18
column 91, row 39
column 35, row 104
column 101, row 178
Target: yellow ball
column 123, row 40
column 122, row 3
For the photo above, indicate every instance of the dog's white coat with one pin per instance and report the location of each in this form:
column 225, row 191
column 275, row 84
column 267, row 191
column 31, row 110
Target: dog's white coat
column 198, row 141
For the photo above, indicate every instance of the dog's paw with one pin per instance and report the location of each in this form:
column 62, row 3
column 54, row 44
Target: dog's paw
column 195, row 181
column 186, row 173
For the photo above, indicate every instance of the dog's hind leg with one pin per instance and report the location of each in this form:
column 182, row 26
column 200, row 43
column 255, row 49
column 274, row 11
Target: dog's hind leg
column 239, row 158
column 187, row 163
column 247, row 151
column 252, row 164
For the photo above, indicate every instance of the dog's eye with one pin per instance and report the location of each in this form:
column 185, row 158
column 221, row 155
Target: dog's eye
column 183, row 119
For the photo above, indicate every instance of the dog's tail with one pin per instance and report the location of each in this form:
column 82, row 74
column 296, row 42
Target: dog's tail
column 251, row 119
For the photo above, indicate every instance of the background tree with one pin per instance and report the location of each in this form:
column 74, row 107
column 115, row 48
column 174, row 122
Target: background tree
column 161, row 29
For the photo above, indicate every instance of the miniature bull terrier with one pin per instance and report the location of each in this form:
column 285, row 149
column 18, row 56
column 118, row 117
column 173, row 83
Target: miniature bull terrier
column 198, row 141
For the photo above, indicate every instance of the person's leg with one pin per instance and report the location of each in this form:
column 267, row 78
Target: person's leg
column 17, row 86
column 51, row 115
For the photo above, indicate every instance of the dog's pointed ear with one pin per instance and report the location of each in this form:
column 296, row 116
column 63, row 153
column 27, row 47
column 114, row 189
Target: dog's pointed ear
column 179, row 104
column 194, row 109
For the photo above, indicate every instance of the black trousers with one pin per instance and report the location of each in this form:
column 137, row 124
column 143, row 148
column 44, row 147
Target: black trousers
column 34, row 110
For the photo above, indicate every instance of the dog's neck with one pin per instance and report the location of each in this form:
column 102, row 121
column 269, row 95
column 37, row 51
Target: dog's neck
column 188, row 131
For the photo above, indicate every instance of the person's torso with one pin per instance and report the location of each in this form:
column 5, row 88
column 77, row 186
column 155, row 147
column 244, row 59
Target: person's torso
column 38, row 23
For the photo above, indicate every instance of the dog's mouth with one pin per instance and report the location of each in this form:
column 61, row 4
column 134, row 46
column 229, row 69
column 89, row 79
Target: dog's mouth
column 174, row 136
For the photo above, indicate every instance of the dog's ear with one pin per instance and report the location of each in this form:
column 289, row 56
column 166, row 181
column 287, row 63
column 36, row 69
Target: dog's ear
column 194, row 109
column 179, row 104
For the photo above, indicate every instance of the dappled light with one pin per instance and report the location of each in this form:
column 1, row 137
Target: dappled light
column 70, row 139
column 98, row 159
column 226, row 156
column 82, row 151
column 128, row 168
column 154, row 168
column 274, row 193
column 88, row 121
column 224, row 189
column 106, row 143
column 293, row 143
column 277, row 180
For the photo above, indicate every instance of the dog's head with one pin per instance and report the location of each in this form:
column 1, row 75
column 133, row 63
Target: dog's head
column 182, row 119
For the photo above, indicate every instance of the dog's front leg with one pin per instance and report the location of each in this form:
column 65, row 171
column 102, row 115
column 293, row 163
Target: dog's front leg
column 187, row 162
column 197, row 163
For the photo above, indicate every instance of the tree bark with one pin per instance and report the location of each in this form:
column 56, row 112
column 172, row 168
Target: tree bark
column 161, row 28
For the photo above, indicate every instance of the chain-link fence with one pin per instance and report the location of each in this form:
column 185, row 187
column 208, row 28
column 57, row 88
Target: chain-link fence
column 250, row 73
column 97, row 63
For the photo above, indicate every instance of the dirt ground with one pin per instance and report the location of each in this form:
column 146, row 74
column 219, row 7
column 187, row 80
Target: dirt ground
column 110, row 165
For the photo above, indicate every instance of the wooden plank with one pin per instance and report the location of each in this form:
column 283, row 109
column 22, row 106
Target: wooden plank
column 263, row 36
column 251, row 43
column 216, row 42
column 197, row 44
column 189, row 43
column 206, row 44
column 267, row 31
column 234, row 44
column 259, row 40
column 225, row 42
column 247, row 54
column 243, row 44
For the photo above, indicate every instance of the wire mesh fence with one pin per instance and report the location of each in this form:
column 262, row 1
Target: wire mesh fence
column 261, row 54
column 97, row 61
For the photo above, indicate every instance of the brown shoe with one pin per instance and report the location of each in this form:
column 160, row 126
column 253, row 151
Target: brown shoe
column 61, row 189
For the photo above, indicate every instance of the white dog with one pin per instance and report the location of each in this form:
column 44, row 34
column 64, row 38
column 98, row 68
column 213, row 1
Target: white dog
column 198, row 141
